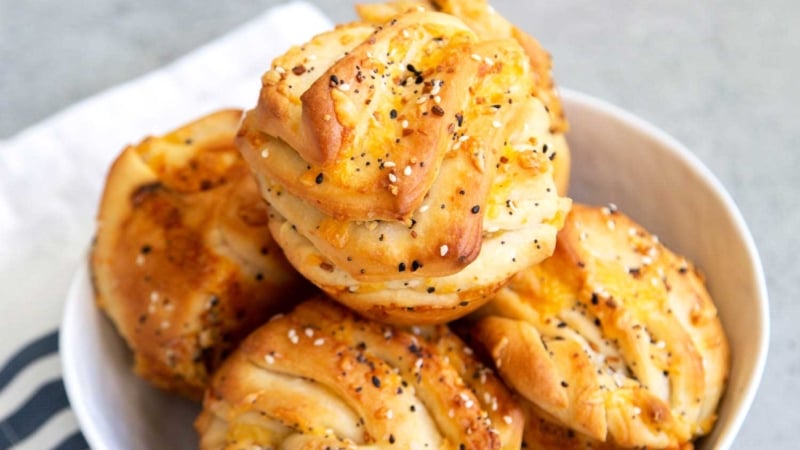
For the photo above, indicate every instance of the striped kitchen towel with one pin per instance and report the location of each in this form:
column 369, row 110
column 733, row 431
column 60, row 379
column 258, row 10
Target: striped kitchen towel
column 51, row 176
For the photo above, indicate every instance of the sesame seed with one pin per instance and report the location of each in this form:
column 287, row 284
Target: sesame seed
column 139, row 259
column 389, row 414
column 488, row 61
column 476, row 57
column 507, row 420
column 463, row 138
column 392, row 178
column 389, row 164
column 265, row 153
column 269, row 359
column 637, row 410
column 404, row 124
column 309, row 332
column 293, row 336
column 497, row 124
column 319, row 342
column 154, row 296
column 443, row 250
column 344, row 87
column 611, row 225
column 326, row 117
column 405, row 34
column 407, row 171
column 423, row 208
column 422, row 99
column 280, row 70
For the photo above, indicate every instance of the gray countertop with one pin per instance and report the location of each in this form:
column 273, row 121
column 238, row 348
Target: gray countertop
column 720, row 76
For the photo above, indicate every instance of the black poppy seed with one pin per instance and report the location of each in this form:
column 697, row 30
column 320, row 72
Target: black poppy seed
column 437, row 110
column 334, row 81
column 431, row 290
column 415, row 265
column 476, row 209
column 146, row 249
column 391, row 439
column 564, row 384
column 376, row 381
column 595, row 299
column 319, row 178
column 401, row 267
column 393, row 114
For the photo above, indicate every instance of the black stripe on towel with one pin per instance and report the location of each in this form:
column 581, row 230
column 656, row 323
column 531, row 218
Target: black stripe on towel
column 46, row 402
column 34, row 350
column 74, row 442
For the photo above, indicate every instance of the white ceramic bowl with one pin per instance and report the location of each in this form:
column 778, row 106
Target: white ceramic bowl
column 616, row 158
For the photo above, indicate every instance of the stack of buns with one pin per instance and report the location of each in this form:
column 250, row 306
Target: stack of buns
column 299, row 266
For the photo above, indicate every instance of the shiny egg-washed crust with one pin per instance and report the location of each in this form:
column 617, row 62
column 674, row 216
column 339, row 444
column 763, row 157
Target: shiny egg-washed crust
column 488, row 25
column 321, row 377
column 183, row 262
column 444, row 155
column 614, row 339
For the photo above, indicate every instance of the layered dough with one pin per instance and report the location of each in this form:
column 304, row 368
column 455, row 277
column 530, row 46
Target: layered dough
column 320, row 377
column 183, row 262
column 614, row 340
column 488, row 25
column 408, row 165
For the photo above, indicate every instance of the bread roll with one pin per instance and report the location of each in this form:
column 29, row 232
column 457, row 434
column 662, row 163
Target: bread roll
column 320, row 377
column 614, row 339
column 183, row 262
column 408, row 165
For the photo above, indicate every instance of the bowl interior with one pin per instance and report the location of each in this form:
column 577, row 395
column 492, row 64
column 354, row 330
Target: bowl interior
column 616, row 158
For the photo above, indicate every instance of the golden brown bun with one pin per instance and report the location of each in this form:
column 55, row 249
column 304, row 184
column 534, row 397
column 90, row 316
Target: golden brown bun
column 183, row 262
column 408, row 165
column 488, row 24
column 613, row 339
column 320, row 377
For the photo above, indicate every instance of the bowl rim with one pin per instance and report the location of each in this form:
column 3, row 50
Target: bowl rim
column 76, row 391
column 67, row 339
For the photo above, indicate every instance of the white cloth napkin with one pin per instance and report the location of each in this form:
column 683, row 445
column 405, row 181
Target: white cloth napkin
column 51, row 177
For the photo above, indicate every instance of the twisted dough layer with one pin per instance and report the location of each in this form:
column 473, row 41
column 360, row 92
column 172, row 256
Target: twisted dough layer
column 488, row 24
column 320, row 377
column 408, row 166
column 183, row 262
column 614, row 337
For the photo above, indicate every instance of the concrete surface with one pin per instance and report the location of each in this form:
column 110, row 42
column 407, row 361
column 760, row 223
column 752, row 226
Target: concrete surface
column 720, row 76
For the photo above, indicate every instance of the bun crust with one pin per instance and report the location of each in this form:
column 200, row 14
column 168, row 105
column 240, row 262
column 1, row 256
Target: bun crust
column 183, row 262
column 613, row 337
column 320, row 377
column 405, row 156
